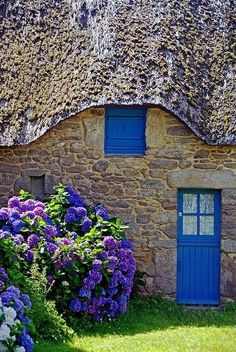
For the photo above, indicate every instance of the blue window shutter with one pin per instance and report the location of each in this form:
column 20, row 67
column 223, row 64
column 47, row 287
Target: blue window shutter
column 125, row 130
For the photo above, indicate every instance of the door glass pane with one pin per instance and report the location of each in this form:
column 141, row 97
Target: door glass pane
column 189, row 225
column 190, row 203
column 207, row 203
column 207, row 225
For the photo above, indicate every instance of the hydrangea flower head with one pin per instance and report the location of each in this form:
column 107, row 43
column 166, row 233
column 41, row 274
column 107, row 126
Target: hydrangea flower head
column 110, row 242
column 3, row 274
column 27, row 342
column 14, row 202
column 3, row 214
column 81, row 212
column 84, row 292
column 86, row 224
column 102, row 212
column 97, row 264
column 39, row 211
column 30, row 204
column 73, row 197
column 26, row 300
column 75, row 305
column 126, row 244
column 33, row 240
column 51, row 231
column 29, row 256
column 17, row 225
column 70, row 218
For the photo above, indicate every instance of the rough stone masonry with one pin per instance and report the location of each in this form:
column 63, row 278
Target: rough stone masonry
column 142, row 190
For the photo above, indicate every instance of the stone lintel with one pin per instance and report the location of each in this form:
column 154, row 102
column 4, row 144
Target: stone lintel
column 214, row 179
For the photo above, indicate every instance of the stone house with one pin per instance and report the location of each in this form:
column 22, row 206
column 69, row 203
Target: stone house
column 132, row 103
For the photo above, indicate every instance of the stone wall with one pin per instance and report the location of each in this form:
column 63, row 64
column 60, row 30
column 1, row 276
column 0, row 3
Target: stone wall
column 142, row 190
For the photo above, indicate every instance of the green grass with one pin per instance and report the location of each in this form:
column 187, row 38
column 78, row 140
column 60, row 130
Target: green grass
column 155, row 325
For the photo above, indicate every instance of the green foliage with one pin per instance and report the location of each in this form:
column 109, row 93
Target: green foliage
column 24, row 195
column 48, row 324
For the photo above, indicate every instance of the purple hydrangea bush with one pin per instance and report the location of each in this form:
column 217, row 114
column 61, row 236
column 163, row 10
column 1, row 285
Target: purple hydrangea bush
column 14, row 323
column 89, row 262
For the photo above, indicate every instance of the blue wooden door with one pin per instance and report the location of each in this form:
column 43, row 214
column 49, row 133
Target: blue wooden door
column 198, row 254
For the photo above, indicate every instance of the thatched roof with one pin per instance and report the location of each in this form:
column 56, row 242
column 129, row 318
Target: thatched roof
column 60, row 57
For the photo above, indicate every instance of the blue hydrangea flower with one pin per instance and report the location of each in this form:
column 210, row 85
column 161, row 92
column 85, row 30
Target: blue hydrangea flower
column 18, row 225
column 84, row 292
column 51, row 231
column 86, row 224
column 123, row 266
column 74, row 235
column 113, row 261
column 89, row 283
column 3, row 274
column 103, row 255
column 102, row 212
column 73, row 197
column 29, row 256
column 51, row 247
column 110, row 242
column 18, row 239
column 33, row 240
column 3, row 214
column 126, row 244
column 7, row 298
column 18, row 306
column 70, row 218
column 14, row 290
column 30, row 204
column 5, row 234
column 27, row 342
column 26, row 301
column 81, row 213
column 30, row 214
column 39, row 211
column 14, row 202
column 75, row 305
column 72, row 210
column 97, row 264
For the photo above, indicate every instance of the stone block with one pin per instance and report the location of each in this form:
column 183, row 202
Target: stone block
column 165, row 264
column 50, row 182
column 184, row 164
column 143, row 218
column 166, row 217
column 229, row 245
column 228, row 276
column 67, row 160
column 163, row 164
column 9, row 168
column 201, row 154
column 94, row 132
column 171, row 230
column 179, row 131
column 100, row 166
column 33, row 172
column 22, row 183
column 202, row 179
column 155, row 243
column 152, row 184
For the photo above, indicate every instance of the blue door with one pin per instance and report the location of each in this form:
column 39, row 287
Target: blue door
column 198, row 254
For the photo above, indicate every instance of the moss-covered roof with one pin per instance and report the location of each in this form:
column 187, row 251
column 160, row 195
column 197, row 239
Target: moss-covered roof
column 59, row 57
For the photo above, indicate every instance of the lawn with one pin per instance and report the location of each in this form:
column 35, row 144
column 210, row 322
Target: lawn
column 154, row 325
